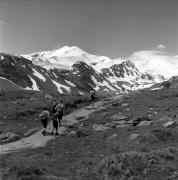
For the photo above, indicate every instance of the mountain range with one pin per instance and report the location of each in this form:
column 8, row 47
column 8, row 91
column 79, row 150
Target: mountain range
column 71, row 70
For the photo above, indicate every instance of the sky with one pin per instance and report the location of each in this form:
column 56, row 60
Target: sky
column 114, row 28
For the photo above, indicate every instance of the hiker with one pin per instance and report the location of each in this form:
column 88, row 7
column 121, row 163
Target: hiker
column 92, row 95
column 44, row 116
column 59, row 112
column 55, row 124
column 53, row 111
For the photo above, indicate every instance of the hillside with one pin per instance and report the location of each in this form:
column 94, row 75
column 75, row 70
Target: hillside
column 133, row 138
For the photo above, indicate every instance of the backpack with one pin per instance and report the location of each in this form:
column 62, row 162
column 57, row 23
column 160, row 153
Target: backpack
column 44, row 115
column 54, row 108
column 59, row 109
column 92, row 92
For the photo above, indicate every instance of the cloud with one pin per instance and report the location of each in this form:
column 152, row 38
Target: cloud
column 156, row 61
column 161, row 47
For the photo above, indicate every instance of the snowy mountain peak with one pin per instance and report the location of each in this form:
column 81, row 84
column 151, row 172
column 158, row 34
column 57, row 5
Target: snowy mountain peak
column 69, row 51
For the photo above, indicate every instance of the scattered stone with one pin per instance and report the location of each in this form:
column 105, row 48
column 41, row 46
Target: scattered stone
column 151, row 108
column 72, row 133
column 72, row 126
column 149, row 115
column 127, row 109
column 137, row 121
column 125, row 105
column 119, row 122
column 100, row 127
column 8, row 137
column 134, row 136
column 117, row 117
column 89, row 108
column 122, row 125
column 82, row 132
column 110, row 125
column 170, row 124
column 31, row 131
column 145, row 123
column 79, row 117
column 116, row 104
column 155, row 113
column 62, row 130
column 165, row 119
column 112, row 137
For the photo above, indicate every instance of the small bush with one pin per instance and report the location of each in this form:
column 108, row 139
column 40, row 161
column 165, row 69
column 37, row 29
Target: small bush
column 135, row 166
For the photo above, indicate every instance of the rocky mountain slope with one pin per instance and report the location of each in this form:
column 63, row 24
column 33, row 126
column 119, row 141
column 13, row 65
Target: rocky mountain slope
column 70, row 70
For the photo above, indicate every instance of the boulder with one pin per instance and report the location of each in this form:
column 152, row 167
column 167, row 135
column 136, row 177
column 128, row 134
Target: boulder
column 116, row 104
column 134, row 136
column 31, row 131
column 89, row 108
column 100, row 127
column 62, row 130
column 122, row 125
column 8, row 137
column 112, row 137
column 110, row 125
column 125, row 105
column 82, row 132
column 155, row 113
column 170, row 124
column 77, row 117
column 72, row 133
column 145, row 123
column 117, row 117
column 137, row 121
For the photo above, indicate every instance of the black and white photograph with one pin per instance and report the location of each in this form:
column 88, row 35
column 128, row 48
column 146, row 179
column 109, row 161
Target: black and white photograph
column 88, row 89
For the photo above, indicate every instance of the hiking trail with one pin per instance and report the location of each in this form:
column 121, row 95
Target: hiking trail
column 38, row 140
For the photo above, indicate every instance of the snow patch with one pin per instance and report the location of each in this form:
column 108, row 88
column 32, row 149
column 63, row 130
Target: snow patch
column 59, row 86
column 70, row 83
column 34, row 85
column 104, row 83
column 54, row 75
column 158, row 88
column 37, row 74
column 81, row 93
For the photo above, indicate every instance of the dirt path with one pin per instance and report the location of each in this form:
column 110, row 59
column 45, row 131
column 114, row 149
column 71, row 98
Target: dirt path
column 38, row 140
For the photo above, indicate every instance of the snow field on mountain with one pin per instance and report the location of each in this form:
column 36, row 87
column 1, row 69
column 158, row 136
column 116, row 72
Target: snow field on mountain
column 38, row 75
column 70, row 83
column 59, row 86
column 34, row 84
column 104, row 83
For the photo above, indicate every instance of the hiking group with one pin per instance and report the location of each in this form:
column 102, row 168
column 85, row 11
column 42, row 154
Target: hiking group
column 55, row 115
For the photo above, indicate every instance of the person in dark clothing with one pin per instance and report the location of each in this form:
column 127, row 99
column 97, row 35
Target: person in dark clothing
column 92, row 95
column 53, row 111
column 55, row 124
column 59, row 112
column 44, row 116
